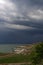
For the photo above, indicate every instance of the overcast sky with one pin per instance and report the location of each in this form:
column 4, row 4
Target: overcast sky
column 21, row 21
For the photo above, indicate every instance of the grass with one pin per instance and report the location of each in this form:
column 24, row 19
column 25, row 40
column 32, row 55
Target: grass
column 24, row 64
column 15, row 59
column 3, row 54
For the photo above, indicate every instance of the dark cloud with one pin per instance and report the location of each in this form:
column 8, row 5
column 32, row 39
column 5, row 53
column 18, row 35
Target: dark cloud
column 21, row 36
column 29, row 2
column 37, row 25
column 21, row 21
column 37, row 2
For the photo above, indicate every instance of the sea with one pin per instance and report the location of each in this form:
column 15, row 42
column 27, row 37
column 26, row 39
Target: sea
column 7, row 48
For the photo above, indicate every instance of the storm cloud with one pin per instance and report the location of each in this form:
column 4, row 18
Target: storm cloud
column 21, row 21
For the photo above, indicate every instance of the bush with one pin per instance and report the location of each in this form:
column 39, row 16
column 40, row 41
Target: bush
column 37, row 55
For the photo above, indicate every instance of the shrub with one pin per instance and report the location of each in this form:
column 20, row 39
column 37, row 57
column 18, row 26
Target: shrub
column 37, row 55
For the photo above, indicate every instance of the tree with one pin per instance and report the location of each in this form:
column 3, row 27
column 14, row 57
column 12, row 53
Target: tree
column 37, row 55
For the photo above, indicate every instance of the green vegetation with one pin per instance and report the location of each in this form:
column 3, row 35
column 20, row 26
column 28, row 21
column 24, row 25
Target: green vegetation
column 37, row 54
column 35, row 57
column 3, row 54
column 15, row 59
column 24, row 64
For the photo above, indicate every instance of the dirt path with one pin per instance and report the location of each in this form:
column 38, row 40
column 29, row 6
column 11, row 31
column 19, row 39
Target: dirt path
column 7, row 55
column 14, row 63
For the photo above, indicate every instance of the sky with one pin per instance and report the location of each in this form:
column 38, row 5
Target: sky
column 21, row 21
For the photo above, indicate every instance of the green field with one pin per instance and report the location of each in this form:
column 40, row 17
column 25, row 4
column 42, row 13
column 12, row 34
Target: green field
column 15, row 59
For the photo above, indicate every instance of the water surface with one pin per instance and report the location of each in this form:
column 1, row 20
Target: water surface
column 7, row 47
